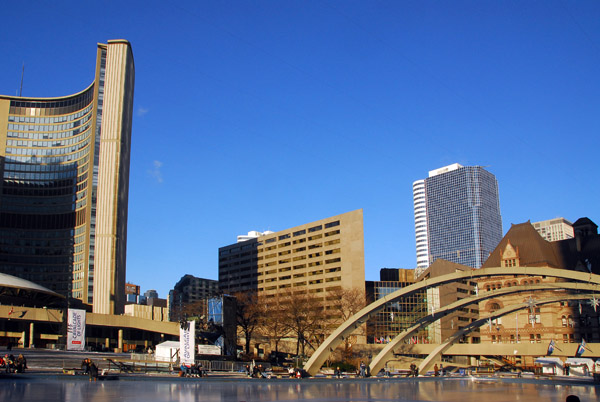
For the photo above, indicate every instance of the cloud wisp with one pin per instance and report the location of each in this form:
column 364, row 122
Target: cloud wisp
column 156, row 171
column 142, row 111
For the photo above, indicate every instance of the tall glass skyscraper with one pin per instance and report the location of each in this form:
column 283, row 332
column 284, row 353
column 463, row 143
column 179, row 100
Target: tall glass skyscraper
column 64, row 167
column 457, row 216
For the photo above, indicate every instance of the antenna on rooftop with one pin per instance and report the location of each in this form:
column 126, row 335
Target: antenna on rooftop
column 22, row 74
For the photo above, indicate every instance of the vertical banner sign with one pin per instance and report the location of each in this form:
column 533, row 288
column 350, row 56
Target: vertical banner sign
column 76, row 329
column 187, row 343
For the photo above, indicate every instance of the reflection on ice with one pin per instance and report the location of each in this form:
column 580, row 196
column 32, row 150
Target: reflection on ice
column 158, row 389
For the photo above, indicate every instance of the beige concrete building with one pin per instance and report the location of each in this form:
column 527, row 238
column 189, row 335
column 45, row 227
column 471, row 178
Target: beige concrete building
column 65, row 184
column 148, row 312
column 315, row 257
column 554, row 229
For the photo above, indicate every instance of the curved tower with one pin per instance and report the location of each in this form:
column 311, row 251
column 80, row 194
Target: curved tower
column 419, row 200
column 64, row 164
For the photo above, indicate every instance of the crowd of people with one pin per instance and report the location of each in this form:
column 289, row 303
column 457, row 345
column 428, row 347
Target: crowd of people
column 256, row 371
column 192, row 370
column 13, row 365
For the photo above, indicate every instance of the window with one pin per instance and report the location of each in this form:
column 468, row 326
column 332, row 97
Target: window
column 332, row 224
column 315, row 228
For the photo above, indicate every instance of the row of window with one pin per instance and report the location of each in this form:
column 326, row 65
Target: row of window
column 18, row 118
column 50, row 158
column 303, row 231
column 51, row 151
column 45, row 176
column 47, row 141
column 28, row 167
column 525, row 282
column 584, row 321
column 48, row 132
column 315, row 281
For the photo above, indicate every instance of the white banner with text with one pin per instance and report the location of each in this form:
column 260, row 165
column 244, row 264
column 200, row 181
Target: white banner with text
column 76, row 329
column 187, row 343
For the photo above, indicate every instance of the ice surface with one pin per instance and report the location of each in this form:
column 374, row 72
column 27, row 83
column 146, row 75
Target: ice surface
column 148, row 389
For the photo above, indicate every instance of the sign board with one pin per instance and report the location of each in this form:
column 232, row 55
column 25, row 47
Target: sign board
column 209, row 350
column 187, row 341
column 76, row 329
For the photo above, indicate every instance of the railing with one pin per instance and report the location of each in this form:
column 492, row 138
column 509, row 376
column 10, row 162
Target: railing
column 208, row 365
column 141, row 366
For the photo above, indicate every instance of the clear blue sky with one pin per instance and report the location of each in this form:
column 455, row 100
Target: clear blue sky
column 264, row 115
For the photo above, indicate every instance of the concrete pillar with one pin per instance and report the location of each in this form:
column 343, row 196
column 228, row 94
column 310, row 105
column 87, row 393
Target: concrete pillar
column 31, row 335
column 107, row 343
column 23, row 337
column 120, row 342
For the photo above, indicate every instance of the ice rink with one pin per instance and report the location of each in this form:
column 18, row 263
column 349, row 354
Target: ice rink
column 65, row 388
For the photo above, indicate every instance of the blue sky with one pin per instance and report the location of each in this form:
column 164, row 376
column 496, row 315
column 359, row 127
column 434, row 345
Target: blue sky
column 264, row 115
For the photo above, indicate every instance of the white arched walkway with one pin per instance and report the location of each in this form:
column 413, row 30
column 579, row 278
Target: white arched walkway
column 318, row 358
column 388, row 351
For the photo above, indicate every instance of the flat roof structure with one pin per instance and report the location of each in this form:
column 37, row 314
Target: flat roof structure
column 18, row 291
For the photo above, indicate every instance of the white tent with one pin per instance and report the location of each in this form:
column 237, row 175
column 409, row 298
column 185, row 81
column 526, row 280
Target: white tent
column 580, row 366
column 550, row 365
column 167, row 351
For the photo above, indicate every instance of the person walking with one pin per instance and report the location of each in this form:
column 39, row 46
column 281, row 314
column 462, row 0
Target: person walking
column 363, row 366
column 93, row 371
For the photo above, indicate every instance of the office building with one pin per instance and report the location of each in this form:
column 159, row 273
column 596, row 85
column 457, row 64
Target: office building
column 132, row 293
column 65, row 181
column 554, row 229
column 397, row 316
column 317, row 265
column 189, row 296
column 457, row 216
column 315, row 257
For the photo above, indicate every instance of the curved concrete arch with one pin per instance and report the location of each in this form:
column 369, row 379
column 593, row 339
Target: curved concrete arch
column 318, row 358
column 388, row 351
column 437, row 352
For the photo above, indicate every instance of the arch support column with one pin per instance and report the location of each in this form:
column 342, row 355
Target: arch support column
column 31, row 336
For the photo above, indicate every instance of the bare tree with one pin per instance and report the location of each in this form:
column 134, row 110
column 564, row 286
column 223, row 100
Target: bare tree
column 344, row 303
column 248, row 315
column 272, row 325
column 302, row 314
column 341, row 305
column 190, row 310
